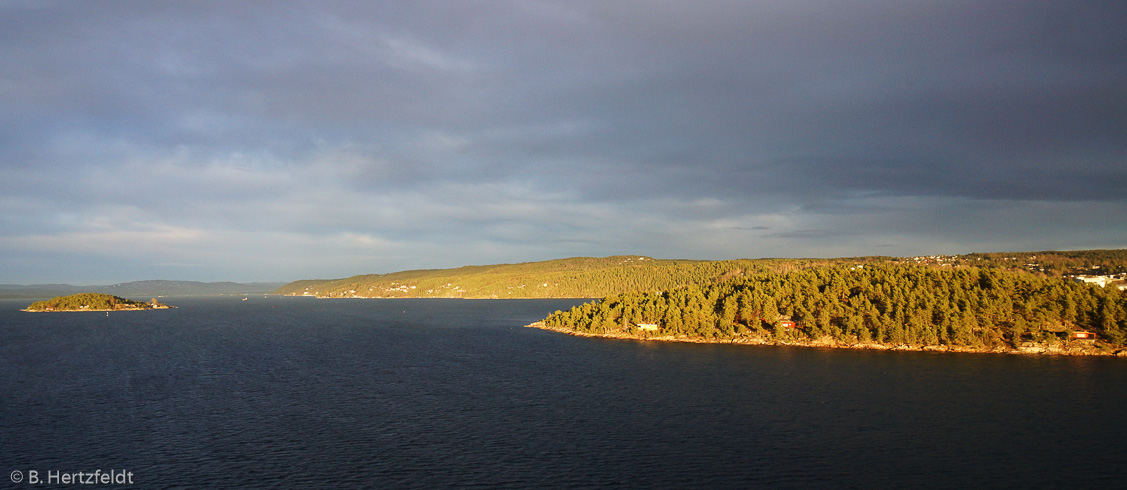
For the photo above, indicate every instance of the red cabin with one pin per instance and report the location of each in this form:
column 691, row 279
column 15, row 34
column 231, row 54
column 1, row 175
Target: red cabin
column 1083, row 335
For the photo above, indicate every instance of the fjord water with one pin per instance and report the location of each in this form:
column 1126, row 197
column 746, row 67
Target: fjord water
column 301, row 393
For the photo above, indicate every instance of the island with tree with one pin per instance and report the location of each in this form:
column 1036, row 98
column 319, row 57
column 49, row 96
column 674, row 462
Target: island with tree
column 94, row 302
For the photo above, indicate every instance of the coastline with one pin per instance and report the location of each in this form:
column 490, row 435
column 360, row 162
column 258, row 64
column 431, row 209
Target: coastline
column 87, row 311
column 1075, row 348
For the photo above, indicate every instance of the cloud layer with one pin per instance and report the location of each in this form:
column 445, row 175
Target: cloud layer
column 284, row 140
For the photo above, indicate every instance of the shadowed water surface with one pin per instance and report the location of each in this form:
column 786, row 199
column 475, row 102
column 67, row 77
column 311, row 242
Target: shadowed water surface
column 301, row 393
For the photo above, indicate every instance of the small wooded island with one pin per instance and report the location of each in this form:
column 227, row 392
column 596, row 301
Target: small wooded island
column 94, row 302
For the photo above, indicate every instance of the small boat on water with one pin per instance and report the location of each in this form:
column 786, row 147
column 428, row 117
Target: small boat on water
column 244, row 299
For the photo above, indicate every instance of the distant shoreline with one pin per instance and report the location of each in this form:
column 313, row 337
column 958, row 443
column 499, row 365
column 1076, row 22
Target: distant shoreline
column 1067, row 349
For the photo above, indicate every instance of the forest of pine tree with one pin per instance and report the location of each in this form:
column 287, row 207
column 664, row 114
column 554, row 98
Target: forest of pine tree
column 894, row 304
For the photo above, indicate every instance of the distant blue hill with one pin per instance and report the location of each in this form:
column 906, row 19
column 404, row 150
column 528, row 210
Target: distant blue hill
column 138, row 289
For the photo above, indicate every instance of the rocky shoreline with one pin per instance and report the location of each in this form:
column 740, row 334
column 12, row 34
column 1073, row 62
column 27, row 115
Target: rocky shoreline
column 161, row 307
column 1074, row 348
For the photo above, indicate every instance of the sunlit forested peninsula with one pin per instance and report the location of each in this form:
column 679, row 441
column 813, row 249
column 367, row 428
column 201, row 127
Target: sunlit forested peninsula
column 872, row 306
column 94, row 302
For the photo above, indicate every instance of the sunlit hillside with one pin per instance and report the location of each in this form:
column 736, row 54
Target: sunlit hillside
column 580, row 277
column 587, row 277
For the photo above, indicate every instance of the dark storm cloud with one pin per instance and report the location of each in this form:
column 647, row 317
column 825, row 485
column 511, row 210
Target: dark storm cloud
column 426, row 134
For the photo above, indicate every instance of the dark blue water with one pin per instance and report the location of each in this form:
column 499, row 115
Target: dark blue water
column 302, row 393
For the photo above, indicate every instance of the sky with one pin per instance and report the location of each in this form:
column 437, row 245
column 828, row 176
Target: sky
column 275, row 141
